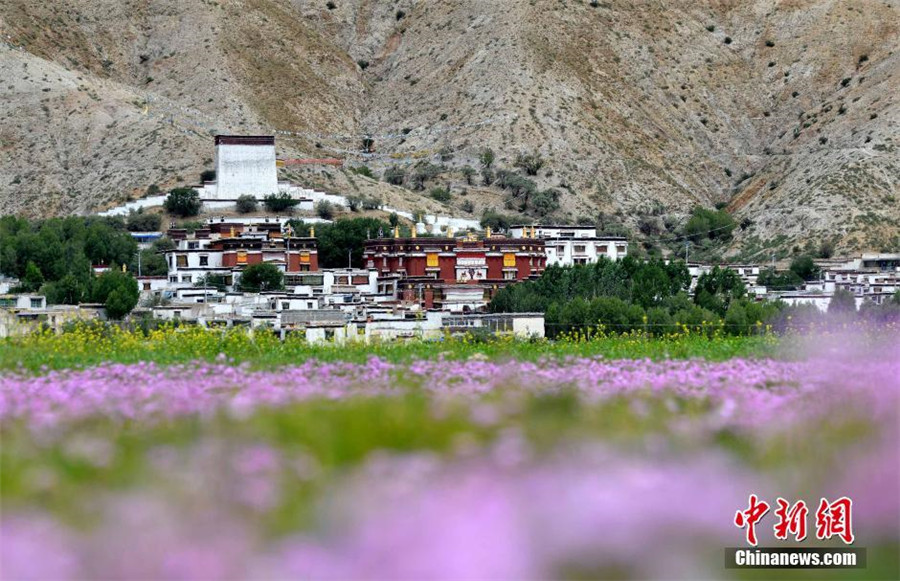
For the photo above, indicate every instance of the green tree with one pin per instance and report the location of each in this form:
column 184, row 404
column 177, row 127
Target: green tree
column 183, row 202
column 495, row 221
column 440, row 194
column 33, row 278
column 468, row 173
column 842, row 303
column 325, row 210
column 804, row 267
column 531, row 163
column 335, row 240
column 544, row 202
column 261, row 278
column 486, row 158
column 68, row 290
column 424, row 173
column 117, row 291
column 246, row 204
column 717, row 289
column 142, row 221
column 787, row 280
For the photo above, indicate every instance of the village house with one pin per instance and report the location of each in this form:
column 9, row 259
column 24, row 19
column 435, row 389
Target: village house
column 569, row 245
column 224, row 248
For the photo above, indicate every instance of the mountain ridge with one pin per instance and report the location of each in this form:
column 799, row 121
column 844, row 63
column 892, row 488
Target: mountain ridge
column 785, row 112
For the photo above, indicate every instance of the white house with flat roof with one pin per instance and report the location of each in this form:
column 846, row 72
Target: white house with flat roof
column 568, row 245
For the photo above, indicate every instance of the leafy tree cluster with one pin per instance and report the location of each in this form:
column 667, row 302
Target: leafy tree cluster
column 55, row 256
column 142, row 221
column 773, row 280
column 117, row 291
column 804, row 267
column 424, row 173
column 496, row 221
column 325, row 209
column 633, row 294
column 261, row 277
column 530, row 163
column 523, row 194
column 183, row 202
column 333, row 241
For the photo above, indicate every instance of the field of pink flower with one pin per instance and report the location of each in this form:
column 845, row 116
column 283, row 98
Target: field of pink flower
column 493, row 469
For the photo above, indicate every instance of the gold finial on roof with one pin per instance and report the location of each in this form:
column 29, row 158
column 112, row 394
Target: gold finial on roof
column 312, row 231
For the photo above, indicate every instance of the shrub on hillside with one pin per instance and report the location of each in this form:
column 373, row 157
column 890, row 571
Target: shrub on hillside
column 325, row 210
column 394, row 175
column 246, row 204
column 183, row 202
column 440, row 194
column 531, row 163
column 280, row 202
column 709, row 224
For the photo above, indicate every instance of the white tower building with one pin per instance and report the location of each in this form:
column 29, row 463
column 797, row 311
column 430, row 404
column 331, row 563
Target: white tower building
column 245, row 164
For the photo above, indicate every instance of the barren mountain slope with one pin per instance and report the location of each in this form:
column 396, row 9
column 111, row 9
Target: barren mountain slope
column 785, row 110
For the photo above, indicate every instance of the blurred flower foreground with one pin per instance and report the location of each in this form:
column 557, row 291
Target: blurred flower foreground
column 586, row 468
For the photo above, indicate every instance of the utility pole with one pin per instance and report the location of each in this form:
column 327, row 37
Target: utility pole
column 686, row 245
column 773, row 262
column 349, row 258
column 139, row 261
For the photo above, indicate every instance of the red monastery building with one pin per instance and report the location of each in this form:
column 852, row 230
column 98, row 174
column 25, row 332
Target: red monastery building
column 451, row 273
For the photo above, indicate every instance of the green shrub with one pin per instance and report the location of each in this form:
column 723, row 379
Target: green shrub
column 246, row 204
column 709, row 224
column 280, row 202
column 394, row 175
column 440, row 194
column 531, row 163
column 325, row 210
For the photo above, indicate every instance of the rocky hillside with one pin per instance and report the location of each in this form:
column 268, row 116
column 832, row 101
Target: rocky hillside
column 786, row 111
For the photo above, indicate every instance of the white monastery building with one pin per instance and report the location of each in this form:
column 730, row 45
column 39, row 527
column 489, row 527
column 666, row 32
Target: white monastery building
column 568, row 245
column 245, row 165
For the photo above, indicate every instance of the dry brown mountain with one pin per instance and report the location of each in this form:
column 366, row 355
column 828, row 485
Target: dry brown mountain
column 785, row 110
